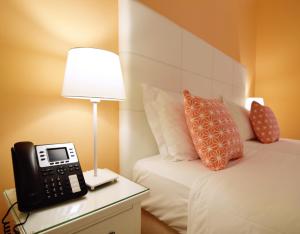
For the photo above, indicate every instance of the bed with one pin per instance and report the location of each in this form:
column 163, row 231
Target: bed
column 253, row 191
column 257, row 194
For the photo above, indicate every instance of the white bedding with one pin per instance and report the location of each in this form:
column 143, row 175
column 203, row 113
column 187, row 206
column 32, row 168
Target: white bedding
column 170, row 184
column 258, row 194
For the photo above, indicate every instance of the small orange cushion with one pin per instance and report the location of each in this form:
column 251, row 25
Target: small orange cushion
column 264, row 123
column 213, row 131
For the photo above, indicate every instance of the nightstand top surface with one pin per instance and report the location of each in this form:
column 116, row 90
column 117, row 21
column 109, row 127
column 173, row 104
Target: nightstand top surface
column 103, row 198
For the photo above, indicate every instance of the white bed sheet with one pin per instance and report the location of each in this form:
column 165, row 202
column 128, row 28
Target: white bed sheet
column 259, row 195
column 170, row 183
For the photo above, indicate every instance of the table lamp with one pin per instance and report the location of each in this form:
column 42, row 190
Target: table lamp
column 249, row 101
column 95, row 75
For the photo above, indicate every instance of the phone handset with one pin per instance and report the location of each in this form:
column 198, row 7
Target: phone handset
column 26, row 170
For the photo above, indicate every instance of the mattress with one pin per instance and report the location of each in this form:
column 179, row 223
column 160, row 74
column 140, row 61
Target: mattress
column 170, row 183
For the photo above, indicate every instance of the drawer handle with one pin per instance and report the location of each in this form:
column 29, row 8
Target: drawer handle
column 111, row 233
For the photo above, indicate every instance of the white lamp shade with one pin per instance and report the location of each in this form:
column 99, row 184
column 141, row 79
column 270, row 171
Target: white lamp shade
column 93, row 73
column 252, row 99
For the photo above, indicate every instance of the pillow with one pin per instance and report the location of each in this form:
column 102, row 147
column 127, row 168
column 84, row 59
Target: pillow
column 213, row 131
column 149, row 98
column 241, row 118
column 264, row 123
column 174, row 128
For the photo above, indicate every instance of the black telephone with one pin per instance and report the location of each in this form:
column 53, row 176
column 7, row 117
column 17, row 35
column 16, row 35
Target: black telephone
column 46, row 174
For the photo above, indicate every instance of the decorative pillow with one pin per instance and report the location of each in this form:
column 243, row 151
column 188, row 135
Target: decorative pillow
column 264, row 123
column 173, row 125
column 213, row 131
column 241, row 118
column 149, row 98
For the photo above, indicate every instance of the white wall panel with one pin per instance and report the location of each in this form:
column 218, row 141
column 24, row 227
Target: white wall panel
column 220, row 89
column 148, row 34
column 196, row 84
column 138, row 70
column 223, row 67
column 239, row 75
column 197, row 55
column 239, row 95
column 137, row 139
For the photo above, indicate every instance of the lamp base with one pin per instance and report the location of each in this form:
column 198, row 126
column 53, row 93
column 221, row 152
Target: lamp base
column 103, row 176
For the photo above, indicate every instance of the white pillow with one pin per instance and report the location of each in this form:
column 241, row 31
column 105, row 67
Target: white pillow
column 241, row 117
column 149, row 98
column 174, row 128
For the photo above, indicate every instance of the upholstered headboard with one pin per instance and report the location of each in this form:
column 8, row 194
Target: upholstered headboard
column 156, row 51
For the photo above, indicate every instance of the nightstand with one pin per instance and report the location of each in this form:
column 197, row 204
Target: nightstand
column 111, row 209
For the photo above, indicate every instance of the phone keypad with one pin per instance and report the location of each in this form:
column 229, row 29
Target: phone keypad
column 63, row 182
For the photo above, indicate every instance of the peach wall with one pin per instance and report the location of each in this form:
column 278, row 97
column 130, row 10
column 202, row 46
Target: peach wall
column 34, row 39
column 278, row 61
column 227, row 25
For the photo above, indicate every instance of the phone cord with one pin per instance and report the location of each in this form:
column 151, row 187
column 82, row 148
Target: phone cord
column 6, row 226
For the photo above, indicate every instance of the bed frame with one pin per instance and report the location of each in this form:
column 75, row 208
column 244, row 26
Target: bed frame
column 156, row 51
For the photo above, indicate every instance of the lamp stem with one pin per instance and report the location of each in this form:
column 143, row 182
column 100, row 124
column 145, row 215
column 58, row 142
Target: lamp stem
column 95, row 142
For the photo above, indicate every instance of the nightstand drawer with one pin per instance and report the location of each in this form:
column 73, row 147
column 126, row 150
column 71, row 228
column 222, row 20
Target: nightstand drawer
column 126, row 222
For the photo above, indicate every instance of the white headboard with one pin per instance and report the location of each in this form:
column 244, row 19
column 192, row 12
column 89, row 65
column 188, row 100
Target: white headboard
column 156, row 51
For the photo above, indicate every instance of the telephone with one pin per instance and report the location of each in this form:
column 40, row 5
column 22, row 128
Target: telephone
column 46, row 174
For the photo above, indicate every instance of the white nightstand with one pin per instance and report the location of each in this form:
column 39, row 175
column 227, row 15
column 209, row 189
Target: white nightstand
column 112, row 209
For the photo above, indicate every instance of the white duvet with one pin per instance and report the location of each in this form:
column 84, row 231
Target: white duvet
column 258, row 194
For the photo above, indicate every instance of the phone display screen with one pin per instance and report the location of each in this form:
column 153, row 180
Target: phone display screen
column 57, row 154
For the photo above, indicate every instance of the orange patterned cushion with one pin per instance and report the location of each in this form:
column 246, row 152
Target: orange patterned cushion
column 264, row 123
column 214, row 133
